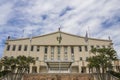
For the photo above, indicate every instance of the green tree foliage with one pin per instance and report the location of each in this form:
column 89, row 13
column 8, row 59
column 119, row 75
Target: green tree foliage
column 101, row 61
column 17, row 66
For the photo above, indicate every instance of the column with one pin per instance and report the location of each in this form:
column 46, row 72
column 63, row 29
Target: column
column 30, row 69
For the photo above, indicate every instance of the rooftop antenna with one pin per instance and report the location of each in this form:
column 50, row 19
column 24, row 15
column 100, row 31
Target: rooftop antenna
column 23, row 33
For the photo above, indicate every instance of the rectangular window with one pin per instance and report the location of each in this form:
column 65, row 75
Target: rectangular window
column 86, row 58
column 103, row 46
column 45, row 57
column 98, row 46
column 32, row 48
column 80, row 48
column 25, row 48
column 38, row 48
column 8, row 47
column 37, row 58
column 19, row 48
column 58, row 57
column 52, row 57
column 92, row 47
column 58, row 49
column 109, row 46
column 65, row 49
column 72, row 49
column 65, row 57
column 46, row 49
column 72, row 57
column 52, row 49
column 86, row 48
column 80, row 58
column 14, row 47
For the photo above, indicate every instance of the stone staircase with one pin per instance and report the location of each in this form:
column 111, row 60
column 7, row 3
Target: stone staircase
column 52, row 76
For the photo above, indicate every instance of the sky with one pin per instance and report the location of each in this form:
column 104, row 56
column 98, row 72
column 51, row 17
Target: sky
column 21, row 18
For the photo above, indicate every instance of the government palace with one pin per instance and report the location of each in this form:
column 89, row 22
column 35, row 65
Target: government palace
column 56, row 52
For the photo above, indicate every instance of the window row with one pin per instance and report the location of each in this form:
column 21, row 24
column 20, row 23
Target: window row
column 32, row 48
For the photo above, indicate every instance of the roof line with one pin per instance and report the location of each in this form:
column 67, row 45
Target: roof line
column 60, row 32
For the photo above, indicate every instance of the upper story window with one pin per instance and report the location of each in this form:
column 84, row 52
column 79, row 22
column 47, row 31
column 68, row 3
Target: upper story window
column 86, row 48
column 65, row 49
column 52, row 49
column 25, row 48
column 8, row 47
column 98, row 46
column 46, row 49
column 80, row 48
column 109, row 46
column 19, row 47
column 58, row 49
column 38, row 48
column 80, row 58
column 45, row 57
column 103, row 46
column 86, row 58
column 32, row 48
column 92, row 47
column 14, row 47
column 37, row 58
column 72, row 49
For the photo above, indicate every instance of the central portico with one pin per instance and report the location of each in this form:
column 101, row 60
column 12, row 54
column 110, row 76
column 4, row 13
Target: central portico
column 58, row 66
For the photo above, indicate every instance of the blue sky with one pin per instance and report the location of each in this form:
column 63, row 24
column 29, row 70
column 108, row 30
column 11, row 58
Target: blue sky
column 37, row 17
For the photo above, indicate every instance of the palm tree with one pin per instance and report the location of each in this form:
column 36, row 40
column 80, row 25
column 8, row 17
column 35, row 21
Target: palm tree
column 102, row 61
column 18, row 65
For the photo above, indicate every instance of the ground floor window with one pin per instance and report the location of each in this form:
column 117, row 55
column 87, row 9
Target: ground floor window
column 34, row 69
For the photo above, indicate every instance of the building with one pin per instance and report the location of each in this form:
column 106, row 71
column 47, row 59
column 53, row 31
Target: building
column 57, row 52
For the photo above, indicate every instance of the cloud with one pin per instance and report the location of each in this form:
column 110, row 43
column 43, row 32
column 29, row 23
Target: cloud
column 36, row 17
column 5, row 10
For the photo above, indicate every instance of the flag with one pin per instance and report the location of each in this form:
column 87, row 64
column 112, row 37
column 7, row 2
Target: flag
column 8, row 37
column 109, row 38
column 86, row 37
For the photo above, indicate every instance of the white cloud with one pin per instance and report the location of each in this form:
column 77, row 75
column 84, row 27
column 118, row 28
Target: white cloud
column 5, row 10
column 83, row 13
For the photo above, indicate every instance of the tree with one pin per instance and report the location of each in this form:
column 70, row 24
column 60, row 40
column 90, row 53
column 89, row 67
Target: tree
column 101, row 61
column 17, row 66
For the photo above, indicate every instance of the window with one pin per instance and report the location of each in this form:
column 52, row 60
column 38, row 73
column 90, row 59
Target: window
column 45, row 57
column 103, row 46
column 109, row 46
column 52, row 49
column 80, row 48
column 8, row 47
column 14, row 47
column 37, row 58
column 46, row 48
column 98, row 46
column 72, row 49
column 52, row 57
column 92, row 47
column 58, row 57
column 65, row 57
column 86, row 58
column 80, row 58
column 58, row 49
column 65, row 49
column 72, row 57
column 32, row 48
column 19, row 48
column 25, row 48
column 86, row 48
column 38, row 48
